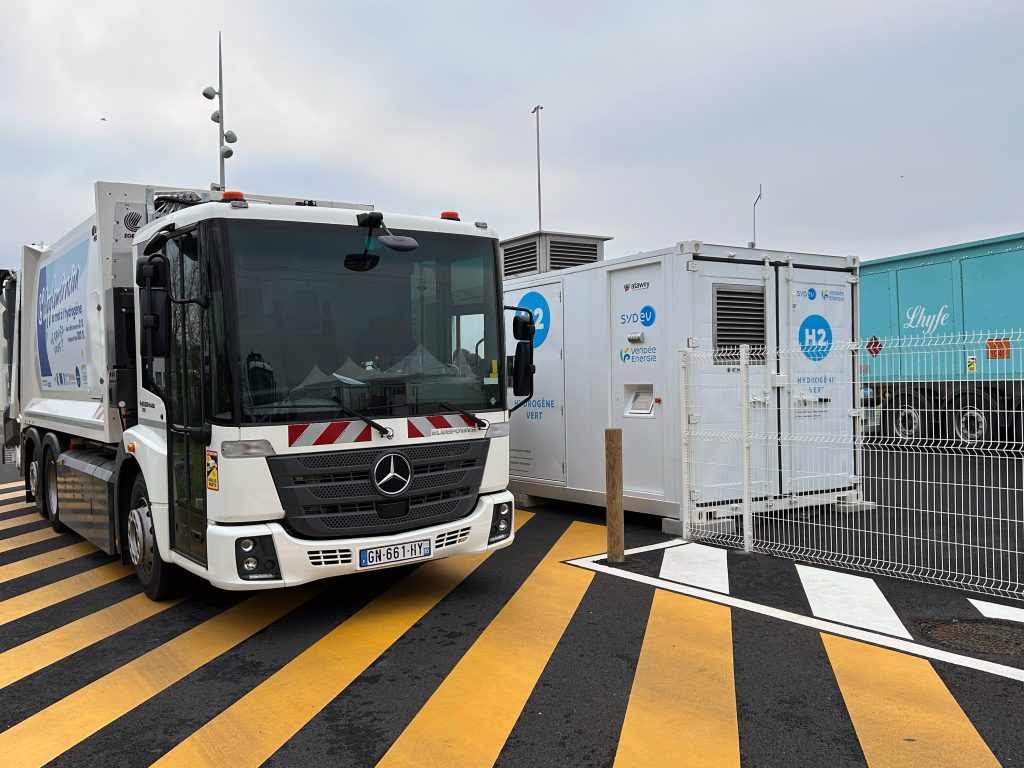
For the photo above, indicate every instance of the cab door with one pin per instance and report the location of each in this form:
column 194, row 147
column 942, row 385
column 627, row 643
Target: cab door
column 187, row 374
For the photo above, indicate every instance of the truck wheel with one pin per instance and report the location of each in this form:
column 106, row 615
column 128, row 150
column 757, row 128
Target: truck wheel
column 48, row 492
column 974, row 419
column 35, row 477
column 160, row 580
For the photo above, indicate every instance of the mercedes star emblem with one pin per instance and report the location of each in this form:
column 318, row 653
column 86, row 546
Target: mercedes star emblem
column 392, row 474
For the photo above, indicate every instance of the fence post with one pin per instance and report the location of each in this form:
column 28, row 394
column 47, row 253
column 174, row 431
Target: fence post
column 748, row 522
column 685, row 502
column 613, row 494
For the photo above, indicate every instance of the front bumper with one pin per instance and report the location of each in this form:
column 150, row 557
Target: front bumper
column 304, row 560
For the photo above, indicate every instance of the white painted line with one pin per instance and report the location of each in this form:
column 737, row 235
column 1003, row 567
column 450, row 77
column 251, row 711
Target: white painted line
column 854, row 600
column 697, row 565
column 634, row 551
column 997, row 610
column 884, row 641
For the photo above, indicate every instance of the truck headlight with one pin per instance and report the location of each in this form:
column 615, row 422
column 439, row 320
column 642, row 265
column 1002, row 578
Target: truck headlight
column 501, row 522
column 498, row 430
column 240, row 449
column 256, row 558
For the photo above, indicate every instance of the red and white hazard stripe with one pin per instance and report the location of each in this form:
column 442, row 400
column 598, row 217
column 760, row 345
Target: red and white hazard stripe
column 328, row 433
column 422, row 426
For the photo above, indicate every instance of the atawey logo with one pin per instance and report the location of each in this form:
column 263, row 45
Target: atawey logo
column 636, row 286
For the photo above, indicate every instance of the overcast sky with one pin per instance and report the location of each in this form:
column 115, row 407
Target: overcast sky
column 875, row 127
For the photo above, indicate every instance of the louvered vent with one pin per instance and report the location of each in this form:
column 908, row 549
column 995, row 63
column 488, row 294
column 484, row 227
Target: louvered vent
column 564, row 254
column 520, row 259
column 738, row 319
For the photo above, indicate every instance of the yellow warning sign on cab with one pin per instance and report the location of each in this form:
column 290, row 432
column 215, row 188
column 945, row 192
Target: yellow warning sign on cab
column 212, row 472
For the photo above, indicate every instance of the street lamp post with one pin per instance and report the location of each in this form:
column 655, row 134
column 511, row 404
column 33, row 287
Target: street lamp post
column 536, row 111
column 225, row 137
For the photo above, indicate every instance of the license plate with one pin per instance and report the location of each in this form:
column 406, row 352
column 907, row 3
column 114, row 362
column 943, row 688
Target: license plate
column 395, row 553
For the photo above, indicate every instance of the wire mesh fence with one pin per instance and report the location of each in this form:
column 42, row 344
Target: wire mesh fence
column 899, row 456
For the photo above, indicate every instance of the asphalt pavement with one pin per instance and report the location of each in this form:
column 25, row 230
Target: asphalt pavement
column 540, row 654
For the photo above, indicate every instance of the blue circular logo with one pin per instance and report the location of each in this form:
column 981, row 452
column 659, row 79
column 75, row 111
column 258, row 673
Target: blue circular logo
column 647, row 316
column 815, row 337
column 536, row 303
column 811, row 293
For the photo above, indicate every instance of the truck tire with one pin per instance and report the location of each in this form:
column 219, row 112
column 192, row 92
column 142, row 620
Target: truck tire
column 160, row 580
column 973, row 419
column 34, row 475
column 48, row 492
column 907, row 419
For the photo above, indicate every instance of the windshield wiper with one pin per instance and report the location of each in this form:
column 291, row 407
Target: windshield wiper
column 384, row 431
column 478, row 422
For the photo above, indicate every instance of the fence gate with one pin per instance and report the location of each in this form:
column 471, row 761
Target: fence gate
column 912, row 466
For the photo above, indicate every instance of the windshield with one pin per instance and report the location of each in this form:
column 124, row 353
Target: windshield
column 329, row 321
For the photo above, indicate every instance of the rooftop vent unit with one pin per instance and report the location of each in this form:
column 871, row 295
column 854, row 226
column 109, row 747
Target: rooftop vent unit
column 547, row 251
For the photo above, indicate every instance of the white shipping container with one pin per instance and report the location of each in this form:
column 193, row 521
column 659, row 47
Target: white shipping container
column 607, row 352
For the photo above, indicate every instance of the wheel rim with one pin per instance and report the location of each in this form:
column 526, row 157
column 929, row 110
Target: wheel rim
column 51, row 488
column 140, row 541
column 908, row 422
column 972, row 425
column 33, row 477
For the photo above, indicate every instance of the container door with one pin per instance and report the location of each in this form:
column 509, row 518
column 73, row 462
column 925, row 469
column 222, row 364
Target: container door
column 640, row 355
column 818, row 366
column 733, row 304
column 537, row 441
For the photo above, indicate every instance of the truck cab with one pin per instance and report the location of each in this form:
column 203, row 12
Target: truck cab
column 315, row 390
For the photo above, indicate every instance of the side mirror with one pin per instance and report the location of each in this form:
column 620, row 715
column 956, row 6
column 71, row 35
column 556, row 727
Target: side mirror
column 399, row 243
column 523, row 369
column 154, row 323
column 152, row 273
column 523, row 328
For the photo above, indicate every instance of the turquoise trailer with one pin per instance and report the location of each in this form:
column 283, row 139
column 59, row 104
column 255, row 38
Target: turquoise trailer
column 943, row 355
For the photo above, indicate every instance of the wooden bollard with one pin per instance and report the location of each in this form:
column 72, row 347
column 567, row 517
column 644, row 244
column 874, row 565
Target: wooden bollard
column 613, row 494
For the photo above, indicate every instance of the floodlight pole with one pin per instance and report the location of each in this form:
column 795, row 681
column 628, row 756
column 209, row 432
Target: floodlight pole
column 220, row 107
column 536, row 111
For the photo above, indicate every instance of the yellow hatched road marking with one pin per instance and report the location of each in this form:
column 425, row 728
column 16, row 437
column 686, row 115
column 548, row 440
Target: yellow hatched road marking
column 468, row 719
column 16, row 506
column 682, row 708
column 12, row 494
column 29, row 602
column 56, row 729
column 23, row 660
column 6, row 545
column 14, row 522
column 902, row 712
column 13, row 483
column 45, row 560
column 258, row 724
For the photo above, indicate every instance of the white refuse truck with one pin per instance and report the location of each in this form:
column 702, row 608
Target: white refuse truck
column 263, row 391
column 608, row 344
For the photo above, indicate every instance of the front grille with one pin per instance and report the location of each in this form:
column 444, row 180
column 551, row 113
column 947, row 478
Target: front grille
column 331, row 495
column 451, row 538
column 330, row 556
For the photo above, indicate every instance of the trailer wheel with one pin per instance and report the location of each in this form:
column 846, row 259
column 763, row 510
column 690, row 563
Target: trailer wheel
column 48, row 492
column 160, row 580
column 974, row 419
column 907, row 418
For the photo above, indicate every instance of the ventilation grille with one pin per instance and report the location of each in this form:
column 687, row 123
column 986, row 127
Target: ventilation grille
column 330, row 556
column 451, row 538
column 739, row 319
column 520, row 259
column 563, row 254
